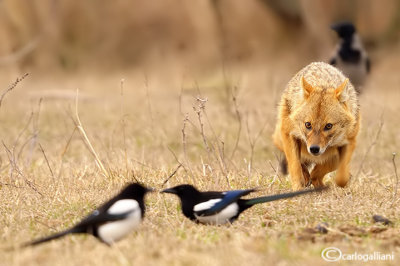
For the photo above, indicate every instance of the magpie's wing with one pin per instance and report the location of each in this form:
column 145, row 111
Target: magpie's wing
column 97, row 217
column 111, row 211
column 228, row 198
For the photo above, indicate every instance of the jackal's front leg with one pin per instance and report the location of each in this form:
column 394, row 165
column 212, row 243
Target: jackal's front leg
column 291, row 148
column 320, row 170
column 343, row 172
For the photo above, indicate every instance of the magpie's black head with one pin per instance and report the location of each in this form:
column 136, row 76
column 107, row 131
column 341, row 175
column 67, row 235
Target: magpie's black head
column 188, row 195
column 345, row 30
column 182, row 191
column 134, row 191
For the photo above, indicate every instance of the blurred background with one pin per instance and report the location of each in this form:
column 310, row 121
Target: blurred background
column 183, row 36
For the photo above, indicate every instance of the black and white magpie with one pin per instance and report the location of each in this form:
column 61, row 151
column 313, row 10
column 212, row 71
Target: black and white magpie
column 212, row 207
column 350, row 55
column 111, row 221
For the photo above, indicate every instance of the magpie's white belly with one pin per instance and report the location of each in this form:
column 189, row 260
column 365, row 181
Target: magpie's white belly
column 220, row 218
column 357, row 73
column 113, row 231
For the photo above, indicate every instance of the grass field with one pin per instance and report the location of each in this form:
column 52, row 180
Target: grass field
column 218, row 127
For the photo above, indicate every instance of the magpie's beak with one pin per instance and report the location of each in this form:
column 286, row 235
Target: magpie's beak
column 335, row 27
column 150, row 189
column 169, row 190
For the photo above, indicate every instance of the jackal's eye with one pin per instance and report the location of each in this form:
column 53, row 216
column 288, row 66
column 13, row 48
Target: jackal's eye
column 308, row 125
column 328, row 126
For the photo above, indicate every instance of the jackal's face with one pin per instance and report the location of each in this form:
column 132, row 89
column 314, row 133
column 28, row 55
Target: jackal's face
column 322, row 120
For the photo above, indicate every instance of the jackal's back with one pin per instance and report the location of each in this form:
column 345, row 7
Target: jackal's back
column 324, row 76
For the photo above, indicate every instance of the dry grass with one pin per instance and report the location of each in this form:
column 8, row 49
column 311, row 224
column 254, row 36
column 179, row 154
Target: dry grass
column 49, row 178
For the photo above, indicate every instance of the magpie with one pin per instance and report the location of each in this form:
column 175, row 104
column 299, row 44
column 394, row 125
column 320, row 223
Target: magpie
column 112, row 220
column 350, row 55
column 216, row 208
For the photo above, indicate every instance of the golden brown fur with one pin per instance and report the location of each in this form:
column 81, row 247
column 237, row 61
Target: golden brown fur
column 318, row 95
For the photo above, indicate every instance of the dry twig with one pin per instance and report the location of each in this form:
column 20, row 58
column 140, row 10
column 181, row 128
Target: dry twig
column 184, row 138
column 15, row 167
column 373, row 143
column 199, row 110
column 149, row 107
column 86, row 139
column 12, row 86
column 171, row 175
column 219, row 153
column 47, row 161
column 252, row 142
column 396, row 177
column 239, row 118
column 123, row 126
column 35, row 127
column 65, row 150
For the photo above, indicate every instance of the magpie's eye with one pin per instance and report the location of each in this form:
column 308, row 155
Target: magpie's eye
column 328, row 126
column 308, row 125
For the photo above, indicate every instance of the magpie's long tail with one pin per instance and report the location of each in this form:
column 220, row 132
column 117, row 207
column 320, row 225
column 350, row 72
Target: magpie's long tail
column 254, row 201
column 51, row 237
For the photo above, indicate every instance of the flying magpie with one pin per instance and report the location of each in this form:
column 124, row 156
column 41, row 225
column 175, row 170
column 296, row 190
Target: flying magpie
column 350, row 55
column 217, row 208
column 111, row 221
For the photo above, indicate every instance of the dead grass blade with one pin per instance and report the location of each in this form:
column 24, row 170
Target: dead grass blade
column 86, row 139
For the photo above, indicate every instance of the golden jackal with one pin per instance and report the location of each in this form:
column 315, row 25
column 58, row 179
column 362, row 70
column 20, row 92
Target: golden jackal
column 318, row 123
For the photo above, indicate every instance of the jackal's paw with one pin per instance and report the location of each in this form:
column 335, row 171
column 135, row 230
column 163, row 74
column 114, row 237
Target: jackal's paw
column 342, row 179
column 317, row 183
column 298, row 185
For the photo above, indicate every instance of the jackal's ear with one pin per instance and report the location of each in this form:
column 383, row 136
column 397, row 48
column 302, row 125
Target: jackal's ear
column 341, row 91
column 307, row 88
